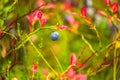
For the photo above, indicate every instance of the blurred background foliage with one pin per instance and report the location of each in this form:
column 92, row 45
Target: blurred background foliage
column 18, row 63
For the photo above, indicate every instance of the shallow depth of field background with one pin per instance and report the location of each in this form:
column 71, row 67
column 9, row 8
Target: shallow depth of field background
column 70, row 40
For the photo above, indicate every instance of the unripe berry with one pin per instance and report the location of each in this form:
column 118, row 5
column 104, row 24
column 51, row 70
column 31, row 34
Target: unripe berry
column 54, row 36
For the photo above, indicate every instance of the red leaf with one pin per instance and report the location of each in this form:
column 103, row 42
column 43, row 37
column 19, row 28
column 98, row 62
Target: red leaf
column 114, row 7
column 80, row 64
column 62, row 27
column 83, row 11
column 73, row 59
column 37, row 15
column 43, row 22
column 29, row 18
column 70, row 74
column 34, row 67
column 34, row 16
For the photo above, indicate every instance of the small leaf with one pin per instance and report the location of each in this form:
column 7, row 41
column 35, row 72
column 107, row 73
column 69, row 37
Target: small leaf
column 45, row 72
column 43, row 22
column 1, row 22
column 70, row 74
column 73, row 59
column 67, row 5
column 81, row 77
column 18, row 29
column 61, row 27
column 34, row 67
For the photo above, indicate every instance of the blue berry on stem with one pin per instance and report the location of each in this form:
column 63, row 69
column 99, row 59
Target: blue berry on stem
column 54, row 36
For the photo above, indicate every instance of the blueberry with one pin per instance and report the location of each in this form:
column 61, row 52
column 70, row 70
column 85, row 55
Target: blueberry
column 54, row 36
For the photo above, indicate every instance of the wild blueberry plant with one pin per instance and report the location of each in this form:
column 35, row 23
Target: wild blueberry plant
column 25, row 40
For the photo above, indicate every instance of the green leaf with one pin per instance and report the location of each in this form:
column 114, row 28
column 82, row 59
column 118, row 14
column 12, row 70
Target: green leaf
column 7, row 9
column 10, row 7
column 6, row 1
column 1, row 22
column 2, row 26
column 18, row 29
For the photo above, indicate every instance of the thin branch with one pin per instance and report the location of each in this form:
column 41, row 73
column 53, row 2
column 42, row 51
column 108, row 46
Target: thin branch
column 8, row 28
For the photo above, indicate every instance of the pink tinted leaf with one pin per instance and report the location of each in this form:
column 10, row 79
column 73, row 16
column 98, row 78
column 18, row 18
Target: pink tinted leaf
column 81, row 77
column 107, row 2
column 70, row 19
column 72, row 59
column 67, row 5
column 29, row 18
column 83, row 11
column 37, row 15
column 70, row 73
column 45, row 72
column 43, row 22
column 34, row 16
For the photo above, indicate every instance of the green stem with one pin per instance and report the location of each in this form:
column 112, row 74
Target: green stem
column 118, row 68
column 23, row 41
column 29, row 35
column 100, row 44
column 42, row 56
column 106, row 47
column 90, row 46
column 115, row 64
column 10, row 34
column 67, row 69
column 57, row 60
